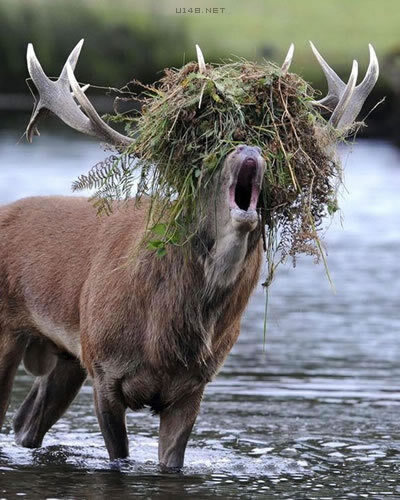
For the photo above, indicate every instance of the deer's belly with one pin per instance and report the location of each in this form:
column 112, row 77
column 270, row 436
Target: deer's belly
column 65, row 338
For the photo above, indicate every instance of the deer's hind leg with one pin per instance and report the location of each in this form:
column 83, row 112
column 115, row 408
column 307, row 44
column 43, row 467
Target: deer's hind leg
column 12, row 345
column 48, row 399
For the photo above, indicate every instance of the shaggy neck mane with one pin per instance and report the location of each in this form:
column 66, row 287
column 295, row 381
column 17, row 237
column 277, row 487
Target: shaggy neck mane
column 185, row 315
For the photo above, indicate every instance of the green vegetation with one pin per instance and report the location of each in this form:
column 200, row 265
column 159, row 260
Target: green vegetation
column 187, row 125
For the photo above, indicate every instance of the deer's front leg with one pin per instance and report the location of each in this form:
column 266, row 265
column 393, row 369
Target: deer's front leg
column 176, row 423
column 110, row 411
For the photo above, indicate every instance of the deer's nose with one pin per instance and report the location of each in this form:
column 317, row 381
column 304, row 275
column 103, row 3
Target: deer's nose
column 248, row 150
column 249, row 162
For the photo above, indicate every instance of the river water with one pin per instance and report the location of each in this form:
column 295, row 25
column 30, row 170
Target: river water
column 314, row 416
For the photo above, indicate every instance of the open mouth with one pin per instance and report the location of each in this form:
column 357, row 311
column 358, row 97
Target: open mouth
column 245, row 190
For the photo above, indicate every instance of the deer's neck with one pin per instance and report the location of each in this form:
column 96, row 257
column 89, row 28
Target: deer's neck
column 195, row 290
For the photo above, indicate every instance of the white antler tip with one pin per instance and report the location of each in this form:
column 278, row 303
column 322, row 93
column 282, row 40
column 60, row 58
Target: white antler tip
column 30, row 53
column 290, row 53
column 372, row 55
column 288, row 59
column 314, row 49
column 200, row 59
column 79, row 44
column 34, row 68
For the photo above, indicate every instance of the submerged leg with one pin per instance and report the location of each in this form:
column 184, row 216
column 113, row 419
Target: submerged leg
column 110, row 411
column 176, row 423
column 11, row 349
column 47, row 401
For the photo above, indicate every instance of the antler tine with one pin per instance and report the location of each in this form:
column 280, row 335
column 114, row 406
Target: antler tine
column 98, row 126
column 362, row 91
column 56, row 97
column 34, row 67
column 336, row 85
column 38, row 75
column 344, row 100
column 346, row 97
column 200, row 60
column 72, row 59
column 288, row 60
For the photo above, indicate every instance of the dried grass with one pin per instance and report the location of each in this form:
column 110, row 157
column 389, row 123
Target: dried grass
column 187, row 125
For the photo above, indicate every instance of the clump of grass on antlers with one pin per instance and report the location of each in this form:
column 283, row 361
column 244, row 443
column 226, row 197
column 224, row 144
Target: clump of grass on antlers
column 189, row 122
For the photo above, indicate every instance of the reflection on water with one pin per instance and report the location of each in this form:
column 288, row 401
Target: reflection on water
column 315, row 416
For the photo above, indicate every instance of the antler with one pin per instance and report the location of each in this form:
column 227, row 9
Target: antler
column 346, row 100
column 288, row 60
column 200, row 60
column 55, row 96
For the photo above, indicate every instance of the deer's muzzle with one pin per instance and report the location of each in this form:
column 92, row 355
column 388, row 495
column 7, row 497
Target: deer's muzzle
column 244, row 191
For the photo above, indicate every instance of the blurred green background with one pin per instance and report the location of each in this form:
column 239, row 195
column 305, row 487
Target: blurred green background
column 128, row 39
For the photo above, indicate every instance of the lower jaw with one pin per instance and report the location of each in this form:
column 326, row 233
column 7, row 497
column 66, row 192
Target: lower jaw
column 244, row 219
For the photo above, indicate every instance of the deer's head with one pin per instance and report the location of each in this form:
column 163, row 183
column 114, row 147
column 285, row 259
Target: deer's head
column 230, row 204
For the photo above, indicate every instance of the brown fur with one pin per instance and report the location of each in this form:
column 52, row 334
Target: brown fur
column 149, row 332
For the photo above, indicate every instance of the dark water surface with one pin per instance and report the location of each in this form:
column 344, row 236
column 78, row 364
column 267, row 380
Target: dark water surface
column 316, row 416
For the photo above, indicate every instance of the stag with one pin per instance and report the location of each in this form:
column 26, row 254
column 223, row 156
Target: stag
column 152, row 332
